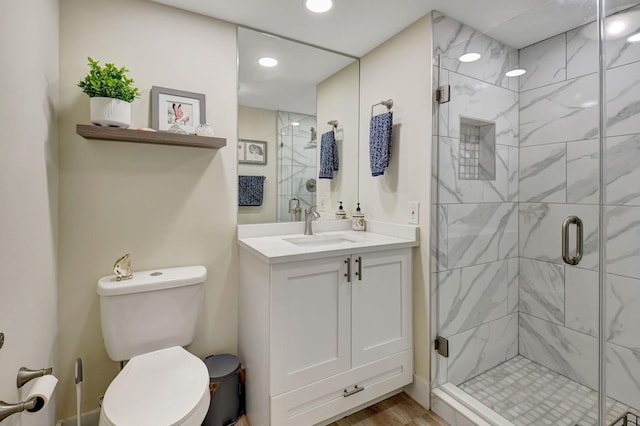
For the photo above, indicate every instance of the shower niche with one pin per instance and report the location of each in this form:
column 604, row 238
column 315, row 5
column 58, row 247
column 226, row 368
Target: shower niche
column 477, row 150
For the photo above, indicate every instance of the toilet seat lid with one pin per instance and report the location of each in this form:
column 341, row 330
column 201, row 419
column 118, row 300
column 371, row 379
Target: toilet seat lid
column 160, row 387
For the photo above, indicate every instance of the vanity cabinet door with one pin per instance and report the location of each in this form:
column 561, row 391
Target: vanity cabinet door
column 381, row 304
column 310, row 322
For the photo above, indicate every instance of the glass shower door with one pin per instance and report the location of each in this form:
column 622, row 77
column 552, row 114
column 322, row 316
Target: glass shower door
column 516, row 294
column 621, row 210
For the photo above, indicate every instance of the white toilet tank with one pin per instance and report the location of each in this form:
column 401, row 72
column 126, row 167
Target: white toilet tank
column 154, row 310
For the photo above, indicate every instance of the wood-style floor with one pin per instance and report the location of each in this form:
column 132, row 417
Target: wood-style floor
column 399, row 410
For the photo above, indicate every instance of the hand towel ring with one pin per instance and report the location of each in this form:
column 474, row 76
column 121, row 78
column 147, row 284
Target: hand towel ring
column 388, row 103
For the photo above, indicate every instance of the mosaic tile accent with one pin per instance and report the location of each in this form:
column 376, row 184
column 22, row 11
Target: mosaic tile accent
column 526, row 393
column 456, row 189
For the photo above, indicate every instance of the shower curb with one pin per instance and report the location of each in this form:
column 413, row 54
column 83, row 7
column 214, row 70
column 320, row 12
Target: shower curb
column 459, row 409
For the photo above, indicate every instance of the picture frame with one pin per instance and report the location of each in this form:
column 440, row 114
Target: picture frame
column 252, row 152
column 172, row 106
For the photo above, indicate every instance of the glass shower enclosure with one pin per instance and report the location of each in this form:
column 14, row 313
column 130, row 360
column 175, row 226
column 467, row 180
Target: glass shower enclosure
column 297, row 143
column 536, row 214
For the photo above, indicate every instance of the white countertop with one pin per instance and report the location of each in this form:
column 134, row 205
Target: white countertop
column 269, row 241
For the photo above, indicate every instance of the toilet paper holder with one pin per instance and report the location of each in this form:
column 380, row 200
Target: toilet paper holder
column 33, row 404
column 25, row 375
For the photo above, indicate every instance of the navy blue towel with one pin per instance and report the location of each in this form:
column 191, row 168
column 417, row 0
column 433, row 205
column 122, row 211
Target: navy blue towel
column 250, row 190
column 329, row 161
column 380, row 142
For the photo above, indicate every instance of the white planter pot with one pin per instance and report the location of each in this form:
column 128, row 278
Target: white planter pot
column 110, row 112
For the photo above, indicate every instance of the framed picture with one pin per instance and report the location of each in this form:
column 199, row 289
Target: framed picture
column 252, row 152
column 171, row 106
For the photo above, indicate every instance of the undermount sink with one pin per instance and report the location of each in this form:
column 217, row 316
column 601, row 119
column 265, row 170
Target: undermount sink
column 320, row 240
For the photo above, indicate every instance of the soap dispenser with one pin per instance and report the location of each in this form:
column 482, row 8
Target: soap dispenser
column 340, row 213
column 358, row 220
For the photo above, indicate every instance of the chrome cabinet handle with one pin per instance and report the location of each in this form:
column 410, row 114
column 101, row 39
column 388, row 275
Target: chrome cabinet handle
column 572, row 260
column 359, row 273
column 348, row 274
column 353, row 391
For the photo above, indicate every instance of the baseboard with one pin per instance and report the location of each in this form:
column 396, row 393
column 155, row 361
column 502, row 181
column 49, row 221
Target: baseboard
column 90, row 418
column 419, row 391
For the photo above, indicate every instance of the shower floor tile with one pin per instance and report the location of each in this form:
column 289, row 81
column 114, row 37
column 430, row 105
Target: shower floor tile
column 526, row 393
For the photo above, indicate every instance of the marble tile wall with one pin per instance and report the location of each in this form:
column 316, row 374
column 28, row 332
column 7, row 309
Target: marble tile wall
column 558, row 176
column 296, row 159
column 475, row 236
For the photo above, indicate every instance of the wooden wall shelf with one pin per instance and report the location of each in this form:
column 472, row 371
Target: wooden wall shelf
column 142, row 136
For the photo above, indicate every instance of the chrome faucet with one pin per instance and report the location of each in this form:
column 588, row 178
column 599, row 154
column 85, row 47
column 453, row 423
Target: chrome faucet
column 309, row 214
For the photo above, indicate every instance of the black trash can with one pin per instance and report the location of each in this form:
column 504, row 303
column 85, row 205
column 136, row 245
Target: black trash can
column 226, row 390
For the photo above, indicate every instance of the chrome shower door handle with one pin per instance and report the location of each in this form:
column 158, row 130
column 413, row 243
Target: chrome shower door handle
column 572, row 260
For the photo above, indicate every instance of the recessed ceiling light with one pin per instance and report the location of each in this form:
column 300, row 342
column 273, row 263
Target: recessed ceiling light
column 469, row 57
column 589, row 104
column 614, row 28
column 268, row 62
column 319, row 6
column 634, row 38
column 620, row 25
column 295, row 123
column 515, row 73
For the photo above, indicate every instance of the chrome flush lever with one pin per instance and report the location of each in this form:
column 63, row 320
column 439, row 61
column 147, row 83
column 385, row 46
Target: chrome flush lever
column 572, row 260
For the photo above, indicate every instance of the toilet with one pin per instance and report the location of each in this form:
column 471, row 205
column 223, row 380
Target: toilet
column 146, row 320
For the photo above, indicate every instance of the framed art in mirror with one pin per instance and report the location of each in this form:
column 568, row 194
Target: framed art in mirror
column 252, row 152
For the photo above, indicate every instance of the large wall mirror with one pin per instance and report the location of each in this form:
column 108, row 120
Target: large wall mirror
column 286, row 113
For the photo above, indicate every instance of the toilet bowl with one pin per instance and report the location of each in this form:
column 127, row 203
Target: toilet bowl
column 165, row 387
column 146, row 320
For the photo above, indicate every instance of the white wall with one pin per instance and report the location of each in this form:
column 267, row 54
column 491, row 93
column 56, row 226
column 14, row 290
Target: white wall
column 338, row 100
column 165, row 205
column 28, row 195
column 260, row 124
column 400, row 69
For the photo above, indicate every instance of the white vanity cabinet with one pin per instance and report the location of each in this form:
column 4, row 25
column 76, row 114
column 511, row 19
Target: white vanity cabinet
column 320, row 337
column 310, row 322
column 381, row 303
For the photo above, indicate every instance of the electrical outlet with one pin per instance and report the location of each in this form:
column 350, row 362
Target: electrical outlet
column 323, row 203
column 414, row 212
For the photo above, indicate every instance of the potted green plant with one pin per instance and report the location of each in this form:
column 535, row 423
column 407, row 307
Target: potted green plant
column 111, row 93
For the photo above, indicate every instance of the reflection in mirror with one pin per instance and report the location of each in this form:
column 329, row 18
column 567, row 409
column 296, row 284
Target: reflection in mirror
column 288, row 107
